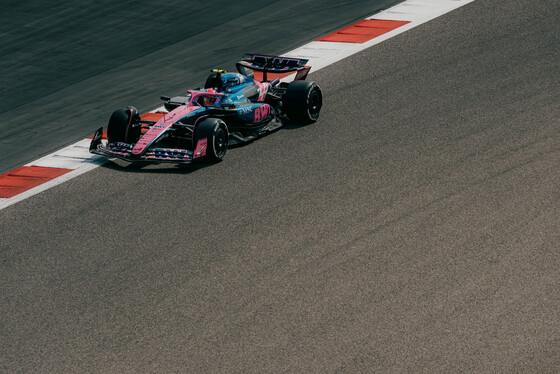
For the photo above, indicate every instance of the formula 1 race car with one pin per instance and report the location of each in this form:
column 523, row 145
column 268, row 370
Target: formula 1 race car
column 232, row 108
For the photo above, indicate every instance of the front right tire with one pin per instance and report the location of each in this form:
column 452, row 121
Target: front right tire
column 217, row 138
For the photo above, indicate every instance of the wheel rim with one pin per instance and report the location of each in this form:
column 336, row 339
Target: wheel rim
column 315, row 103
column 220, row 143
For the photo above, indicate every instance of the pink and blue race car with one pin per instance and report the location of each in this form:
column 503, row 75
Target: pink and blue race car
column 232, row 108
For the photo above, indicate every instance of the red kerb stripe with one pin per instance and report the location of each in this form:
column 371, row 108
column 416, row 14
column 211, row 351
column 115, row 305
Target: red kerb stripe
column 363, row 31
column 26, row 177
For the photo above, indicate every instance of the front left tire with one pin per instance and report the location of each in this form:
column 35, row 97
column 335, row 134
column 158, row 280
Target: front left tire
column 124, row 126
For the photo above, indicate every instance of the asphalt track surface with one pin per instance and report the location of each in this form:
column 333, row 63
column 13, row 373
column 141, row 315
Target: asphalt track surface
column 413, row 228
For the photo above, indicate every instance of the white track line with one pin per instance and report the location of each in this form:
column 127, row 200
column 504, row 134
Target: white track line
column 417, row 12
column 319, row 53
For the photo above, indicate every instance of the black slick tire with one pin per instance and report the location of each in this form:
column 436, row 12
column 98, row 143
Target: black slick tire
column 124, row 126
column 215, row 132
column 302, row 101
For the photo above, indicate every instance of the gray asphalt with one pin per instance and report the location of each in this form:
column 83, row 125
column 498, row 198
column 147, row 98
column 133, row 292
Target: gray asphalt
column 66, row 65
column 413, row 228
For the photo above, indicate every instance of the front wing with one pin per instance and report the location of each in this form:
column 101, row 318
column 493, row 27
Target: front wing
column 154, row 154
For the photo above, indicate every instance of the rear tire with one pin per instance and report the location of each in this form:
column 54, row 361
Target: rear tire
column 302, row 101
column 215, row 132
column 124, row 126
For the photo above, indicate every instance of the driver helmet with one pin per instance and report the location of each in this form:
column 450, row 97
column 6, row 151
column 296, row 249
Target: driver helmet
column 209, row 100
column 230, row 80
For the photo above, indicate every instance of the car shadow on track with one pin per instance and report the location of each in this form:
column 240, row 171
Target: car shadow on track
column 296, row 125
column 170, row 168
column 154, row 167
column 286, row 126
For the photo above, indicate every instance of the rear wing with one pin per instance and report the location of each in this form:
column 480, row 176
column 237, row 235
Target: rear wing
column 275, row 65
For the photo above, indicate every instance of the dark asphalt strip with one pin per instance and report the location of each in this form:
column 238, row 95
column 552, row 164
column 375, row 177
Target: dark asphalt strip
column 68, row 65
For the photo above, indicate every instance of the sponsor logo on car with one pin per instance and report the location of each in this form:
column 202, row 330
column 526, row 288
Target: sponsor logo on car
column 275, row 60
column 262, row 113
column 246, row 109
column 200, row 148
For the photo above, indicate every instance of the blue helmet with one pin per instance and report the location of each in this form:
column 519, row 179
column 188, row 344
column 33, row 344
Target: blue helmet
column 231, row 80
